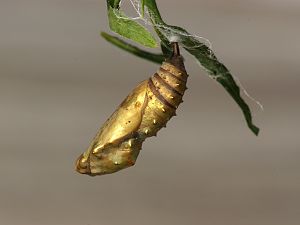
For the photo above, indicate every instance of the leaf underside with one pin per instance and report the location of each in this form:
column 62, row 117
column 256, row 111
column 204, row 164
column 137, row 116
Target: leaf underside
column 121, row 24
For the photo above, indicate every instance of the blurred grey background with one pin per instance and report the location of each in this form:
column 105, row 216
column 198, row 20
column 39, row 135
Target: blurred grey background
column 59, row 81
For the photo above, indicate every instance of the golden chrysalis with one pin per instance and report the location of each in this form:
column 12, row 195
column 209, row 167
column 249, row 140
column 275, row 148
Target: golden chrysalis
column 142, row 114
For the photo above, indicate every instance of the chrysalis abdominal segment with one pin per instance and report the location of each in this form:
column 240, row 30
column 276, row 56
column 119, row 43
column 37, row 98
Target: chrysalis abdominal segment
column 142, row 114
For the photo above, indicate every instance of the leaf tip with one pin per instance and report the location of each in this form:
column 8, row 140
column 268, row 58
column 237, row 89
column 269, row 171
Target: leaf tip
column 254, row 129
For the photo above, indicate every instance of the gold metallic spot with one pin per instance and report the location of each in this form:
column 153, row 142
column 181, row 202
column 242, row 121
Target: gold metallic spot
column 129, row 143
column 163, row 109
column 146, row 131
column 96, row 151
column 116, row 163
column 154, row 121
column 138, row 104
column 171, row 97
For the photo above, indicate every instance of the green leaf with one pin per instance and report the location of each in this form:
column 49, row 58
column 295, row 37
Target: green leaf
column 153, row 11
column 156, row 58
column 113, row 3
column 130, row 29
column 206, row 58
column 222, row 75
column 218, row 71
